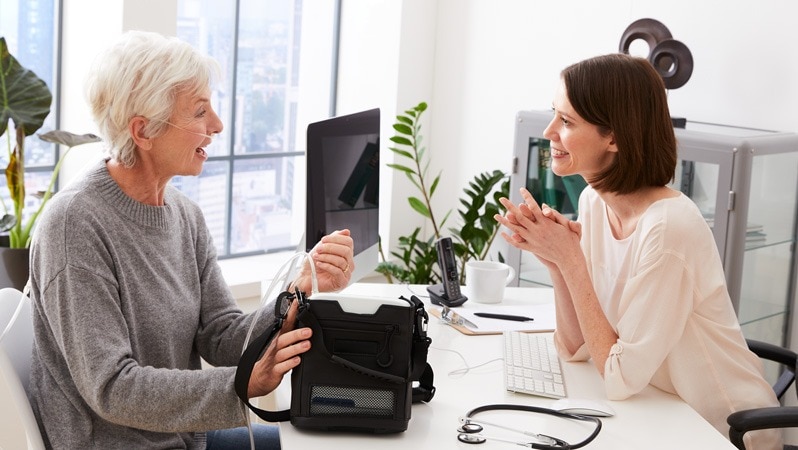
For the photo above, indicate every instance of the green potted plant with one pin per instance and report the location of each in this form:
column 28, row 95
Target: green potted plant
column 26, row 101
column 416, row 257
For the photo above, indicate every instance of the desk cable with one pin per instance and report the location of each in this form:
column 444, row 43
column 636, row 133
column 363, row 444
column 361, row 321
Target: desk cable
column 424, row 295
column 464, row 370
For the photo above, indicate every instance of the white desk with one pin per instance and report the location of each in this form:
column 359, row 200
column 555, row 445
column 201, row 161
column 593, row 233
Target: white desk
column 650, row 420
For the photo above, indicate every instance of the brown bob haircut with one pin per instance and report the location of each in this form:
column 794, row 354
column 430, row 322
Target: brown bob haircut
column 625, row 96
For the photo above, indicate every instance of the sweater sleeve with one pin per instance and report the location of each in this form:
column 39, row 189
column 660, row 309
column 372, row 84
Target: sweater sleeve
column 83, row 311
column 222, row 327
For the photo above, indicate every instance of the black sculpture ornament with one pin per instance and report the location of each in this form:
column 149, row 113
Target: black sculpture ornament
column 671, row 58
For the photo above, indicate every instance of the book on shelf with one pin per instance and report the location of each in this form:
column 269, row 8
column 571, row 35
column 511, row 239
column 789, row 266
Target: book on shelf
column 755, row 236
column 754, row 232
column 753, row 228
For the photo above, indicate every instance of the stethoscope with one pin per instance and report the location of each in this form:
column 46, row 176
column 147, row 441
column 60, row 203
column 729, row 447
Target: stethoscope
column 470, row 430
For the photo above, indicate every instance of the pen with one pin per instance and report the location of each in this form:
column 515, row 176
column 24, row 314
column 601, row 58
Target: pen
column 503, row 317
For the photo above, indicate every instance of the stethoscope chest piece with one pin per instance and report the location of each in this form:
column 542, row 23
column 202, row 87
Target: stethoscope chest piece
column 470, row 428
column 470, row 438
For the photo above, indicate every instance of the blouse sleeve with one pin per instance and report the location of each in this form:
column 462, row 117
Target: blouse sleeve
column 652, row 314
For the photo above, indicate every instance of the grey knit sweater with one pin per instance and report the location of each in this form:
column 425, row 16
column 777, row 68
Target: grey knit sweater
column 127, row 298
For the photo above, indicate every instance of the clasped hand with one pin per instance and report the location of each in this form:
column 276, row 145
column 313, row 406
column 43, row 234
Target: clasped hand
column 543, row 232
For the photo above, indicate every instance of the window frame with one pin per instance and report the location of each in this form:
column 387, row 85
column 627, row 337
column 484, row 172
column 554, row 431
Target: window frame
column 231, row 157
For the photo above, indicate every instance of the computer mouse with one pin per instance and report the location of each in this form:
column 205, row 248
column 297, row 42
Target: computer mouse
column 583, row 406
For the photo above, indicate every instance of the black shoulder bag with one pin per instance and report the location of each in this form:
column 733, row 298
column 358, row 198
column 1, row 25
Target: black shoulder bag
column 366, row 353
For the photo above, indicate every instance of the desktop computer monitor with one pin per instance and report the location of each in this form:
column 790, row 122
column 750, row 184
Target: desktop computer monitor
column 343, row 181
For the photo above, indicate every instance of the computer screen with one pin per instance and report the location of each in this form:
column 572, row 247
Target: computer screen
column 343, row 181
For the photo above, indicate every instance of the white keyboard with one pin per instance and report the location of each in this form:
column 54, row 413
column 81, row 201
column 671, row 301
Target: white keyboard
column 531, row 365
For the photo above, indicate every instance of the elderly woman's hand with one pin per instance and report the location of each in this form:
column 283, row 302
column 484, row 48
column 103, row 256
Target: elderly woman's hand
column 333, row 258
column 281, row 356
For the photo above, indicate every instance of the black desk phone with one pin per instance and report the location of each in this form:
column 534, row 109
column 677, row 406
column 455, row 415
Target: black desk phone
column 448, row 292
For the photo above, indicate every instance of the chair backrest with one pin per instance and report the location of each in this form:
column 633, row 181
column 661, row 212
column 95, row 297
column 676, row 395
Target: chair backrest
column 15, row 353
column 17, row 340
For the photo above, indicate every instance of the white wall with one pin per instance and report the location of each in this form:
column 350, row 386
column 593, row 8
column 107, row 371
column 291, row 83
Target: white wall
column 492, row 58
column 386, row 60
column 477, row 62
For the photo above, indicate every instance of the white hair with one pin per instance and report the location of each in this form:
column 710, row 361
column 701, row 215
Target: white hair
column 141, row 75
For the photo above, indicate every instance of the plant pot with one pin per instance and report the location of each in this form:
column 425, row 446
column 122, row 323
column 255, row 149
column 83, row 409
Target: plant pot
column 14, row 265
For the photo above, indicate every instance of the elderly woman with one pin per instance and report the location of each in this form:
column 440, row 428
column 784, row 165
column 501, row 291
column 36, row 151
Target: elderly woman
column 126, row 289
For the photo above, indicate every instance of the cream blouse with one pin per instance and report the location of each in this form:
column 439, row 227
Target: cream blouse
column 664, row 292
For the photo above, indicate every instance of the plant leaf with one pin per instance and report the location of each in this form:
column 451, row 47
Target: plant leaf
column 434, row 185
column 402, row 168
column 404, row 153
column 15, row 171
column 401, row 140
column 402, row 128
column 25, row 97
column 7, row 222
column 412, row 178
column 419, row 206
column 68, row 139
column 446, row 217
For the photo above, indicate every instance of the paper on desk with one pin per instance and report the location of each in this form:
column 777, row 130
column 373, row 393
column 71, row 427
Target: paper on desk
column 542, row 313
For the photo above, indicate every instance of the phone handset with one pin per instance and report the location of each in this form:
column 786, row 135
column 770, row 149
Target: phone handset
column 448, row 292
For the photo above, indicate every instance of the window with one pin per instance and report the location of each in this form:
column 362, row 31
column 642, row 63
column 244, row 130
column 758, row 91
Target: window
column 277, row 65
column 30, row 28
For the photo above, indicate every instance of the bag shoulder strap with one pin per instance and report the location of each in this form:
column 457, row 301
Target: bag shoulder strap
column 422, row 370
column 246, row 364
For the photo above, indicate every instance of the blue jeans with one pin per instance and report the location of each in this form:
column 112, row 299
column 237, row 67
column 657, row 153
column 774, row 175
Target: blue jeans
column 267, row 437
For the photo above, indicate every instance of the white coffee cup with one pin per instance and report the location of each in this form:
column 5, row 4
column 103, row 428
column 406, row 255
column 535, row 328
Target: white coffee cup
column 485, row 280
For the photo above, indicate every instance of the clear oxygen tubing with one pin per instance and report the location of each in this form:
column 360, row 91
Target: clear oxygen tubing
column 287, row 273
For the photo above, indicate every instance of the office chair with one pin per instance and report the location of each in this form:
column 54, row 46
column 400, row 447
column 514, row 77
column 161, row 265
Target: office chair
column 747, row 420
column 18, row 425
